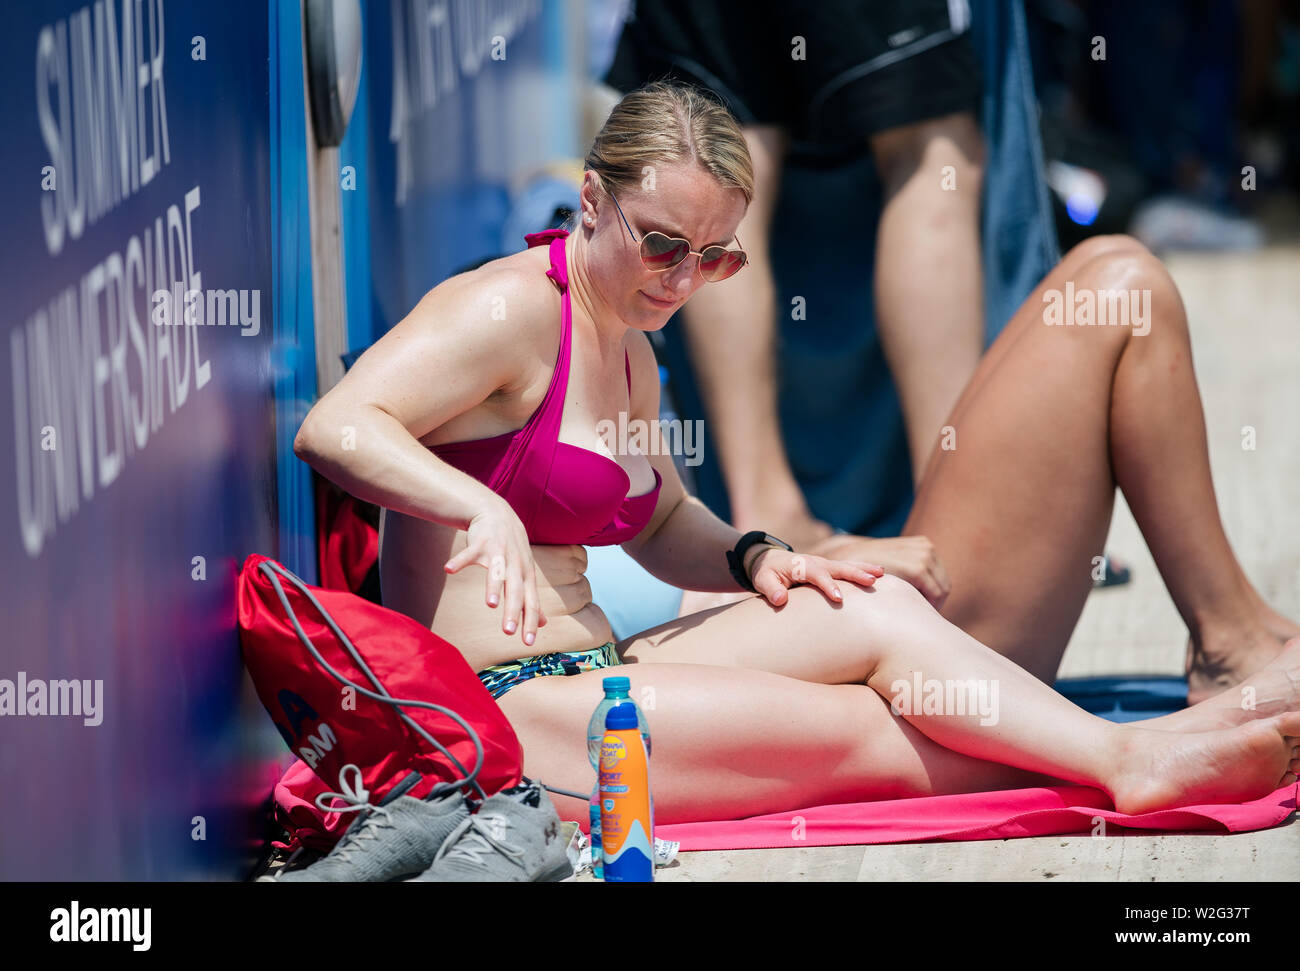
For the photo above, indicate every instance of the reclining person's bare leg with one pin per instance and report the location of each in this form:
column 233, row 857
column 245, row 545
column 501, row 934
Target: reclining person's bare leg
column 733, row 742
column 1053, row 419
column 729, row 741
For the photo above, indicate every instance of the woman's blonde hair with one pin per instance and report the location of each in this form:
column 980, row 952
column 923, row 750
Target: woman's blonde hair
column 668, row 121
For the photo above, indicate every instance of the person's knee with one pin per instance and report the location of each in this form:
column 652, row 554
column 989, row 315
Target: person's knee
column 864, row 622
column 896, row 588
column 1120, row 260
column 889, row 598
column 1104, row 247
column 1130, row 286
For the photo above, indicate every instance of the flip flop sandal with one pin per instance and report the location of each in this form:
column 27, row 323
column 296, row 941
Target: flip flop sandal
column 1114, row 575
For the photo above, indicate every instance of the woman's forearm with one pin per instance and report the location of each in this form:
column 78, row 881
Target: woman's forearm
column 689, row 549
column 370, row 454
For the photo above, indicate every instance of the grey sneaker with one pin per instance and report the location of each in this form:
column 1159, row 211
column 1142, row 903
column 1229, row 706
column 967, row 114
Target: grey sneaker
column 515, row 837
column 396, row 839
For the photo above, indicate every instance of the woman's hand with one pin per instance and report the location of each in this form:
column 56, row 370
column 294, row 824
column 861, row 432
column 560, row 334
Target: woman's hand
column 497, row 541
column 773, row 571
column 911, row 558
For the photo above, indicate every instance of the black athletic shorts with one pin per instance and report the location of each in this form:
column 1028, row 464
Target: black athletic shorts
column 828, row 71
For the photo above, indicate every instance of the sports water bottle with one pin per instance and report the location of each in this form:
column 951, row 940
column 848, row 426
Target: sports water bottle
column 616, row 691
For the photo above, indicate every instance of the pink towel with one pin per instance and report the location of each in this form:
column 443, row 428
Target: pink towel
column 971, row 816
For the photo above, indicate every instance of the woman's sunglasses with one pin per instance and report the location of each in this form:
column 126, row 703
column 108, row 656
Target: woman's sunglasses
column 660, row 252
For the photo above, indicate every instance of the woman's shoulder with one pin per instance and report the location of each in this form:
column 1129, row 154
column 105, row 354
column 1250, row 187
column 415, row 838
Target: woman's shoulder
column 511, row 297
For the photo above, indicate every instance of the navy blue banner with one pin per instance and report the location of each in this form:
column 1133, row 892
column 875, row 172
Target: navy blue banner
column 466, row 101
column 135, row 266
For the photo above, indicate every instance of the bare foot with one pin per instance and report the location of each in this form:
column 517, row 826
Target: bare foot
column 1224, row 659
column 1283, row 628
column 1272, row 690
column 1166, row 770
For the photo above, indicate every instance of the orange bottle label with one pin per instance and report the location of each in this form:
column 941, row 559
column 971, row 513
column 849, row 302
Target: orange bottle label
column 626, row 830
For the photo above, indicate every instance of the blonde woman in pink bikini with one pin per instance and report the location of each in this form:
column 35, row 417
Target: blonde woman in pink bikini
column 476, row 424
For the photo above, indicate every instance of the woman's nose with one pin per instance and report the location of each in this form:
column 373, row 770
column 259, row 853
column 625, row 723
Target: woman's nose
column 682, row 276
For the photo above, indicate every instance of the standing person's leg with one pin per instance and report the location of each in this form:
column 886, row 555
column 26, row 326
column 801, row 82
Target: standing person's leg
column 731, row 741
column 904, row 78
column 928, row 278
column 1053, row 419
column 730, row 329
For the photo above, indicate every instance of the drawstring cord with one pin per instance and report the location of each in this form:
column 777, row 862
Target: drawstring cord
column 270, row 568
column 355, row 796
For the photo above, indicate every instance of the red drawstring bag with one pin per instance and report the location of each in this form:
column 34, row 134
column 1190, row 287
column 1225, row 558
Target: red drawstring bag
column 348, row 681
column 297, row 811
column 348, row 541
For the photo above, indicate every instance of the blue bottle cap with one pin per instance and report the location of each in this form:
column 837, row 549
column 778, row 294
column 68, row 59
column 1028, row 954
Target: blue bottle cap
column 617, row 684
column 622, row 716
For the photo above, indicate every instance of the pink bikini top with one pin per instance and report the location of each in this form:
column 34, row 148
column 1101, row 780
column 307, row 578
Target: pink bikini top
column 563, row 494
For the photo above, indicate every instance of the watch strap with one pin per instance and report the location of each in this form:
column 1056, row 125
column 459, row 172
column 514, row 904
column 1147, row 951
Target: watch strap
column 736, row 555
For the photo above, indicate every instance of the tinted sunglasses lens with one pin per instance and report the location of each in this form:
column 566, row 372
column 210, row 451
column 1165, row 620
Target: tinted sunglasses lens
column 718, row 263
column 660, row 252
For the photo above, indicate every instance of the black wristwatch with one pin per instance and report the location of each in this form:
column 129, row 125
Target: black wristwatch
column 736, row 556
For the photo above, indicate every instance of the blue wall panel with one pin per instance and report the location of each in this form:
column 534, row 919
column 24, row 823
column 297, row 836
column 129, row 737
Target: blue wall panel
column 354, row 213
column 293, row 353
column 143, row 462
column 465, row 101
column 133, row 450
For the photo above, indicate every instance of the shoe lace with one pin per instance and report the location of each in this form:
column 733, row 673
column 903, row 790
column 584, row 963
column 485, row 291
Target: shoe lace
column 478, row 836
column 355, row 798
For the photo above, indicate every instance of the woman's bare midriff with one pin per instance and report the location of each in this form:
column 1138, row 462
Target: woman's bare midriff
column 411, row 556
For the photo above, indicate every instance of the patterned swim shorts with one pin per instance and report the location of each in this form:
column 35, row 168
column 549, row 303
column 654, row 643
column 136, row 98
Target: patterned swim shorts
column 500, row 678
